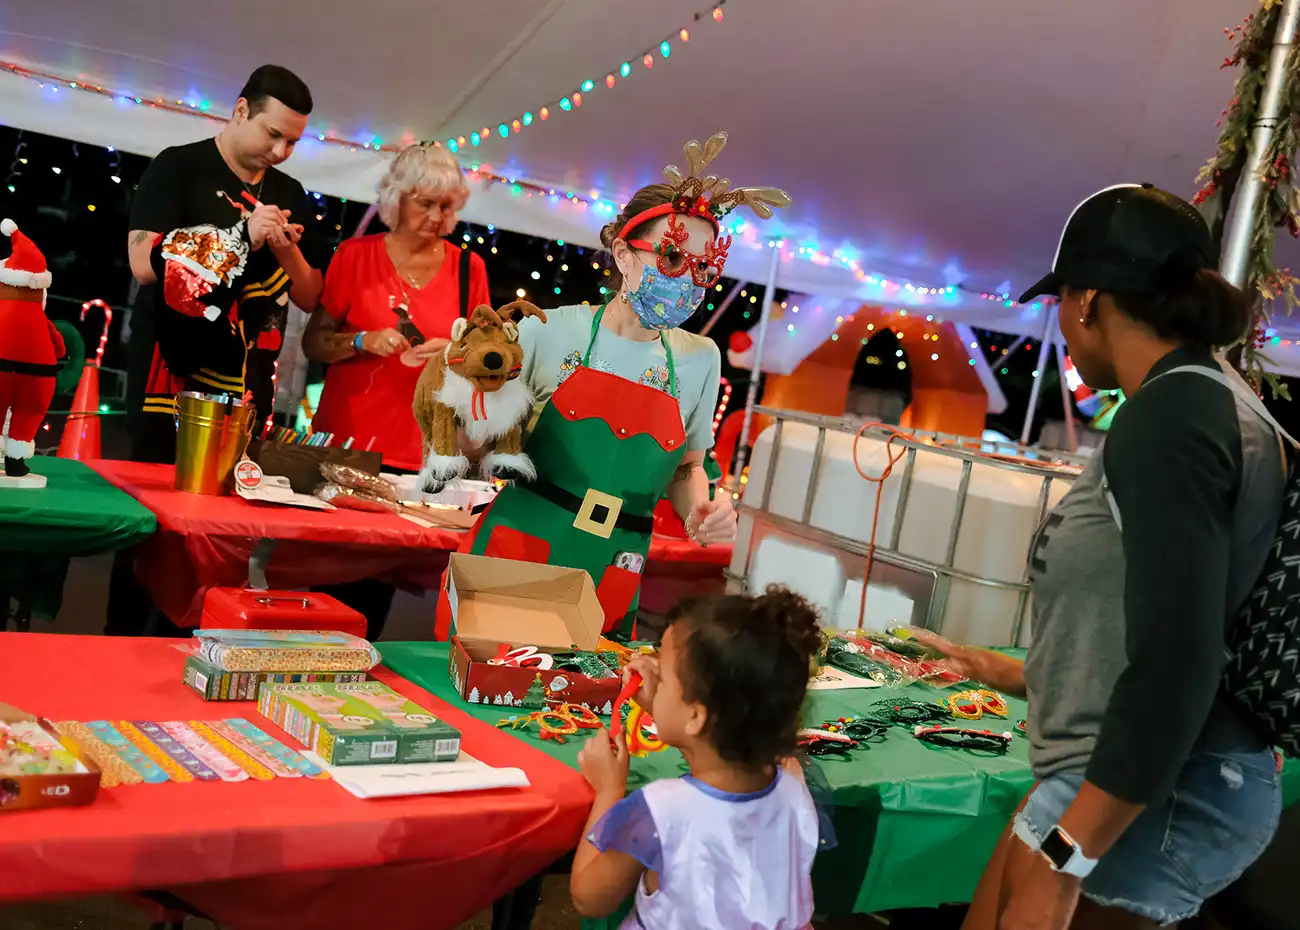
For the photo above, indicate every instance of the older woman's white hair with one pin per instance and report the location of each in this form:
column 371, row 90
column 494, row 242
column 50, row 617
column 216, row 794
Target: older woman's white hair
column 427, row 169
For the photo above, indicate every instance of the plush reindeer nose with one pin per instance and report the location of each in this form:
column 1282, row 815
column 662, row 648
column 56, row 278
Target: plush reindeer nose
column 492, row 361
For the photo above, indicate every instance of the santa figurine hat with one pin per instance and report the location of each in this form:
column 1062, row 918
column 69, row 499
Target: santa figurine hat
column 25, row 267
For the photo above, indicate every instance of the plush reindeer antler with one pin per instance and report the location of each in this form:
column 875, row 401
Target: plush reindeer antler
column 717, row 191
column 523, row 307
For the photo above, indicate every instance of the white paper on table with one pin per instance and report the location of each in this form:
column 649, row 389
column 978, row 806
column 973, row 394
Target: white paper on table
column 463, row 493
column 275, row 489
column 395, row 781
column 833, row 679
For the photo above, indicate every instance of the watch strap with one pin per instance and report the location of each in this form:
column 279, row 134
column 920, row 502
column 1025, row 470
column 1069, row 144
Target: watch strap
column 1077, row 865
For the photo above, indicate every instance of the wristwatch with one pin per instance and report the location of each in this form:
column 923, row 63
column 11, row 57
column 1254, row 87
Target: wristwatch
column 1060, row 849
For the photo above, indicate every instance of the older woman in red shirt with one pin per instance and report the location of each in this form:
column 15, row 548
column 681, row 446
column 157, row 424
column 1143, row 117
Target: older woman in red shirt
column 388, row 305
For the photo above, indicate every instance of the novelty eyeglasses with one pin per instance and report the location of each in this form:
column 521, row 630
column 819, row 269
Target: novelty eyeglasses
column 675, row 261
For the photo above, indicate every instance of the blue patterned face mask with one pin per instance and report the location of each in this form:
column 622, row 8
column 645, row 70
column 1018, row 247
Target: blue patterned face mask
column 661, row 302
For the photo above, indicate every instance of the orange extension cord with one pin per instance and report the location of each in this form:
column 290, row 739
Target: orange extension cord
column 896, row 433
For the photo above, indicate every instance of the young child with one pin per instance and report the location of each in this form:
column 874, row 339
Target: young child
column 731, row 845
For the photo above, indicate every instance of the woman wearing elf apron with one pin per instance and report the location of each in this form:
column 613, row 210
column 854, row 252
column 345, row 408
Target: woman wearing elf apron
column 625, row 399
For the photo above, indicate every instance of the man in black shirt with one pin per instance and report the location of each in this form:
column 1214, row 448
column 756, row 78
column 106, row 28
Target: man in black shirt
column 219, row 181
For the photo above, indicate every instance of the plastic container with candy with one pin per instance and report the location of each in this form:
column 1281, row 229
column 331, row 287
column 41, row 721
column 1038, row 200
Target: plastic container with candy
column 285, row 651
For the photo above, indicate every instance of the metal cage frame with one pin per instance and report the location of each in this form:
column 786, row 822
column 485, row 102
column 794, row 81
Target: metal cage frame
column 1054, row 467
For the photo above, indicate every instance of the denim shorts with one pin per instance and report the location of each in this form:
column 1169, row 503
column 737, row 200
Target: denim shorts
column 1222, row 814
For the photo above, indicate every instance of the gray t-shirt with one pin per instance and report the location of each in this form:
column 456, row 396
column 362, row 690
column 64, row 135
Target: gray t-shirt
column 553, row 350
column 1130, row 616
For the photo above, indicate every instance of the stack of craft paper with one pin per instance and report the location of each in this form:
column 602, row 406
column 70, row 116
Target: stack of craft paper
column 392, row 781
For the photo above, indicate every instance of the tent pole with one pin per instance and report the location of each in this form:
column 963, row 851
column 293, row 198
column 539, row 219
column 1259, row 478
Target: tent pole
column 1043, row 348
column 751, row 397
column 365, row 220
column 1014, row 348
column 722, row 308
column 1071, row 438
column 1237, row 245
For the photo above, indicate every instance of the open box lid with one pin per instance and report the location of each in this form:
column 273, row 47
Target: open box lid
column 11, row 714
column 523, row 603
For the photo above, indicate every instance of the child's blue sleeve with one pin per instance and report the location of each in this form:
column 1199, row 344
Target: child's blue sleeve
column 629, row 827
column 823, row 800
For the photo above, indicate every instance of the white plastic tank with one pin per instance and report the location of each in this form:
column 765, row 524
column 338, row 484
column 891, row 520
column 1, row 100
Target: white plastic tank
column 1003, row 506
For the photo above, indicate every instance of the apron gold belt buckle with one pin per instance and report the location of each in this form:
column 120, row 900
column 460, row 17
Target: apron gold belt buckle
column 598, row 514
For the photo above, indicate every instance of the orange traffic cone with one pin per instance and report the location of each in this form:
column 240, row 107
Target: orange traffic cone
column 81, row 434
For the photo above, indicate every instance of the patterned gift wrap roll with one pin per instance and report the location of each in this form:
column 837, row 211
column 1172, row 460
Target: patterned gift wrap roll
column 179, row 754
column 282, row 769
column 128, row 752
column 175, row 771
column 208, row 754
column 277, row 749
column 113, row 770
column 231, row 751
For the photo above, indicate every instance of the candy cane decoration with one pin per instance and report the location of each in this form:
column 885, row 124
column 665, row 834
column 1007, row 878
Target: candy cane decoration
column 108, row 322
column 270, row 417
column 722, row 404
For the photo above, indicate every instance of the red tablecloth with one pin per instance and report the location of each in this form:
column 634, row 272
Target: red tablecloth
column 280, row 855
column 205, row 541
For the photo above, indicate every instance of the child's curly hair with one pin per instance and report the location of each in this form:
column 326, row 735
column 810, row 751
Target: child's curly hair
column 748, row 661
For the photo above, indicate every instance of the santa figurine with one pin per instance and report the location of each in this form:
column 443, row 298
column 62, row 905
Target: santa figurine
column 30, row 349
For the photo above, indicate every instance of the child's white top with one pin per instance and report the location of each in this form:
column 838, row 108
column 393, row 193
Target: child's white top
column 724, row 861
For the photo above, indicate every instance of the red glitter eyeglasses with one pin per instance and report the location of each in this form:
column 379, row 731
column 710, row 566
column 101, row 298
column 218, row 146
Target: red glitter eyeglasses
column 675, row 261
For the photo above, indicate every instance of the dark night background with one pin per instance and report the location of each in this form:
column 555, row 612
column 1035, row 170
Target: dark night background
column 74, row 199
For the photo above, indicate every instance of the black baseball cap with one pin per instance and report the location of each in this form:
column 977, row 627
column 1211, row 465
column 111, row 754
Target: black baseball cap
column 1128, row 239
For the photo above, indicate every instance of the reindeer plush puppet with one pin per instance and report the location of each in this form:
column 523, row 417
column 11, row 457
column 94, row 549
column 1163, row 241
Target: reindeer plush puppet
column 475, row 386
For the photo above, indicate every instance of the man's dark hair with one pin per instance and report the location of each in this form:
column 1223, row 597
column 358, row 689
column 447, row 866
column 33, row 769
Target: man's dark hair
column 278, row 82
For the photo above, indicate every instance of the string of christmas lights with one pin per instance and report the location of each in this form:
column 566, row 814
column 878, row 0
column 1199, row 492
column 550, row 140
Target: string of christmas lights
column 661, row 50
column 595, row 201
column 202, row 107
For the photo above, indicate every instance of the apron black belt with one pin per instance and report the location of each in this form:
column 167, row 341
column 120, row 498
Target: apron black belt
column 575, row 505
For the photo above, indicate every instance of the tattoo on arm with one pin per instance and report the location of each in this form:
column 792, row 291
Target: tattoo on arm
column 139, row 236
column 323, row 342
column 683, row 471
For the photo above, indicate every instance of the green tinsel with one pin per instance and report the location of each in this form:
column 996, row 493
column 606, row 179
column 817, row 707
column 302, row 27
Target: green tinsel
column 1281, row 202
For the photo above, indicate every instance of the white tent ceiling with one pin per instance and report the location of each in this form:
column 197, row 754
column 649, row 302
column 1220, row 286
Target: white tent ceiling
column 932, row 144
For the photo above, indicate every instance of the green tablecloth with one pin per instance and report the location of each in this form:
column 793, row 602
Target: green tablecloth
column 915, row 823
column 77, row 513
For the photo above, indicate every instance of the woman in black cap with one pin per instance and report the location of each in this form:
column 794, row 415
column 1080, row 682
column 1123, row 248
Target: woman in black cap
column 1150, row 794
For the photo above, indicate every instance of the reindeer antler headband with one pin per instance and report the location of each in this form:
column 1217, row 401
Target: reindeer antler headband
column 711, row 197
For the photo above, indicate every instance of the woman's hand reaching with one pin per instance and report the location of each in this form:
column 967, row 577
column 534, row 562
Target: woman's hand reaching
column 1000, row 672
column 384, row 342
column 713, row 523
column 418, row 356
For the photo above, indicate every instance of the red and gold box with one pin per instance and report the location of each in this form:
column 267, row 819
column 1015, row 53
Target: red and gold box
column 496, row 602
column 251, row 609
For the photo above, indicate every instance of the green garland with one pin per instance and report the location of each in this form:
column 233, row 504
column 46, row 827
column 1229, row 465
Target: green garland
column 1281, row 203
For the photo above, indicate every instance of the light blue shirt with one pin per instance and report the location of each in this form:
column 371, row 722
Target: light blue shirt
column 554, row 350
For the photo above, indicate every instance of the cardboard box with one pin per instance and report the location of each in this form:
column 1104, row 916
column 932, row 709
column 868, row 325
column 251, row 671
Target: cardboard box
column 27, row 792
column 215, row 684
column 359, row 724
column 496, row 601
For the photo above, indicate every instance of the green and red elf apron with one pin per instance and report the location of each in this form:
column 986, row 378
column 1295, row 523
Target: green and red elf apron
column 605, row 449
